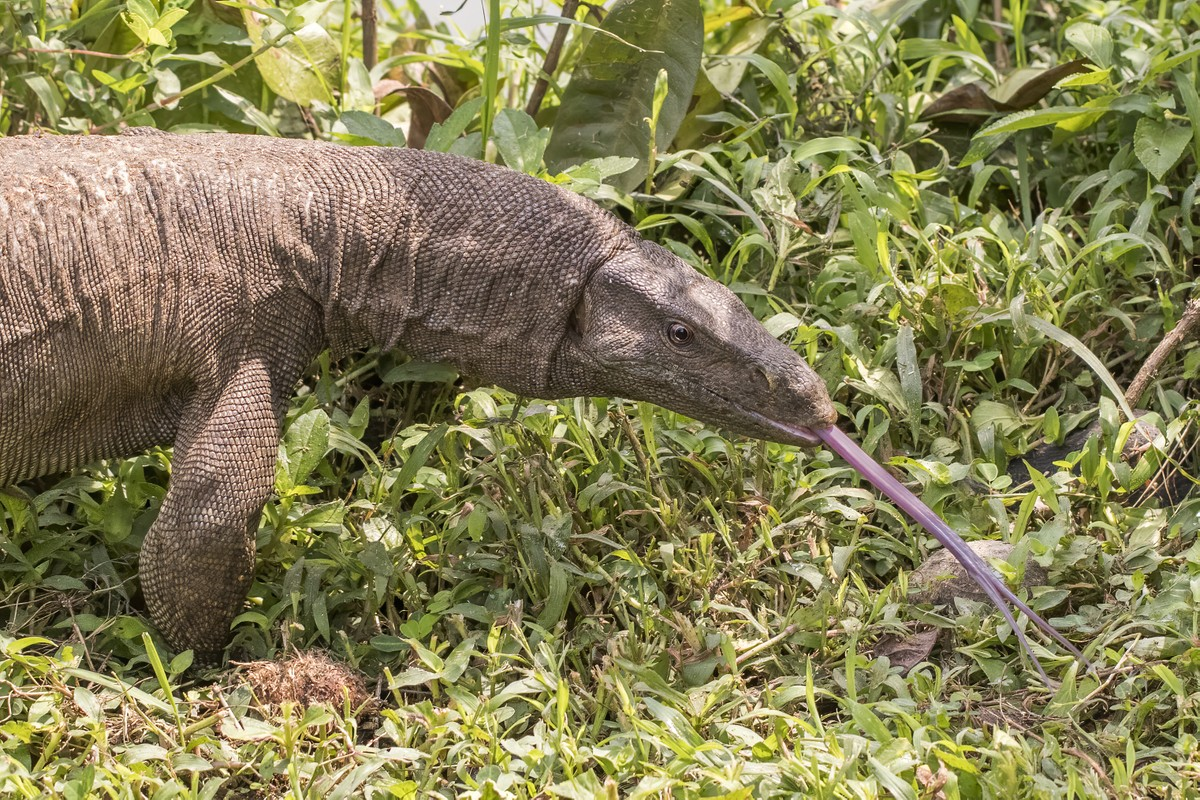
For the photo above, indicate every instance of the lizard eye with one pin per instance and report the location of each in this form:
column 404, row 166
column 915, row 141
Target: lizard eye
column 679, row 334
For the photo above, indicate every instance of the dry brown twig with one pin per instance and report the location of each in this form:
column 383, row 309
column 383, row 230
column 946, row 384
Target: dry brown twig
column 1187, row 328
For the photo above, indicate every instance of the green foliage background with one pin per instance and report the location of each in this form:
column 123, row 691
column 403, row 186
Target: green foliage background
column 595, row 598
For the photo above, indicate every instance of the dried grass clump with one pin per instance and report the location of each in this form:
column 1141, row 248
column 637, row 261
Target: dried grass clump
column 305, row 679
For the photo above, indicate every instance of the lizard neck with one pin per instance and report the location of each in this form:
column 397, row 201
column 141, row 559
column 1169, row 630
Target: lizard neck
column 460, row 262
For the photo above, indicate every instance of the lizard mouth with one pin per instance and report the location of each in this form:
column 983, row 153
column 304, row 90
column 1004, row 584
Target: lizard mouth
column 793, row 433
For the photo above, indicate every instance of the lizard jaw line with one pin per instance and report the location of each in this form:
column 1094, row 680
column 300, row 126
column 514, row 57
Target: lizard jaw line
column 808, row 436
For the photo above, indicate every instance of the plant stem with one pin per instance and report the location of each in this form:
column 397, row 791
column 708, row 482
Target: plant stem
column 347, row 15
column 370, row 25
column 491, row 70
column 220, row 74
column 552, row 56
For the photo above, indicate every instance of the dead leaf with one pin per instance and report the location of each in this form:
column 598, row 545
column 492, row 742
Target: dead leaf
column 973, row 104
column 966, row 105
column 907, row 651
column 933, row 782
column 1033, row 90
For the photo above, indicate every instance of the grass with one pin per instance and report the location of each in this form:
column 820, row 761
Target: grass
column 594, row 598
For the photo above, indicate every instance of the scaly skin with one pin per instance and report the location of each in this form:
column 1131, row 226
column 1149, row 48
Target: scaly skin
column 159, row 289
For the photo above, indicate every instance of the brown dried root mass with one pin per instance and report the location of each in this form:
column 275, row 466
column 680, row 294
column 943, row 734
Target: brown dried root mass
column 305, row 679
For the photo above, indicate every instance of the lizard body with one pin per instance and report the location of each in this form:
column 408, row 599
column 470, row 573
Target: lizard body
column 159, row 289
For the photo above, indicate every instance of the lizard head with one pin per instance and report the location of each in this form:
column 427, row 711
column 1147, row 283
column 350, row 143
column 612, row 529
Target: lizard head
column 649, row 327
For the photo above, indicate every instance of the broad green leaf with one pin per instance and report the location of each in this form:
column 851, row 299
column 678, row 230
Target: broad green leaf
column 982, row 147
column 519, row 140
column 49, row 96
column 359, row 94
column 716, row 20
column 359, row 127
column 585, row 786
column 1092, row 42
column 1159, row 145
column 896, row 786
column 141, row 753
column 1086, row 79
column 726, row 68
column 910, row 375
column 143, row 9
column 211, row 59
column 598, row 170
column 304, row 445
column 189, row 762
column 606, row 106
column 246, row 729
column 1038, row 118
column 1095, row 109
column 557, row 597
column 166, row 87
column 674, row 722
column 825, row 144
column 979, row 363
column 775, row 195
column 1051, row 425
column 304, row 67
column 895, row 12
column 869, row 723
column 778, row 78
column 1001, row 417
column 325, row 517
column 443, row 134
column 241, row 109
column 118, row 85
column 415, row 460
column 781, row 323
column 160, row 34
column 1164, row 674
column 139, row 26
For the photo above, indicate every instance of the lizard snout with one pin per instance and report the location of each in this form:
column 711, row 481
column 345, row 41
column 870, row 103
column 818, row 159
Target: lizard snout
column 792, row 393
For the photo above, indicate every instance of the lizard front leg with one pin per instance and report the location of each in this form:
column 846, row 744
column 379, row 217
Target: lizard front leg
column 197, row 561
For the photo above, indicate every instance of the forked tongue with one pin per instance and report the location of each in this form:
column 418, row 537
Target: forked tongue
column 975, row 566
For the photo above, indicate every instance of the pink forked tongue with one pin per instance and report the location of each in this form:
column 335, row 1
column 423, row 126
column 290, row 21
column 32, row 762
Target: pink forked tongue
column 975, row 566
